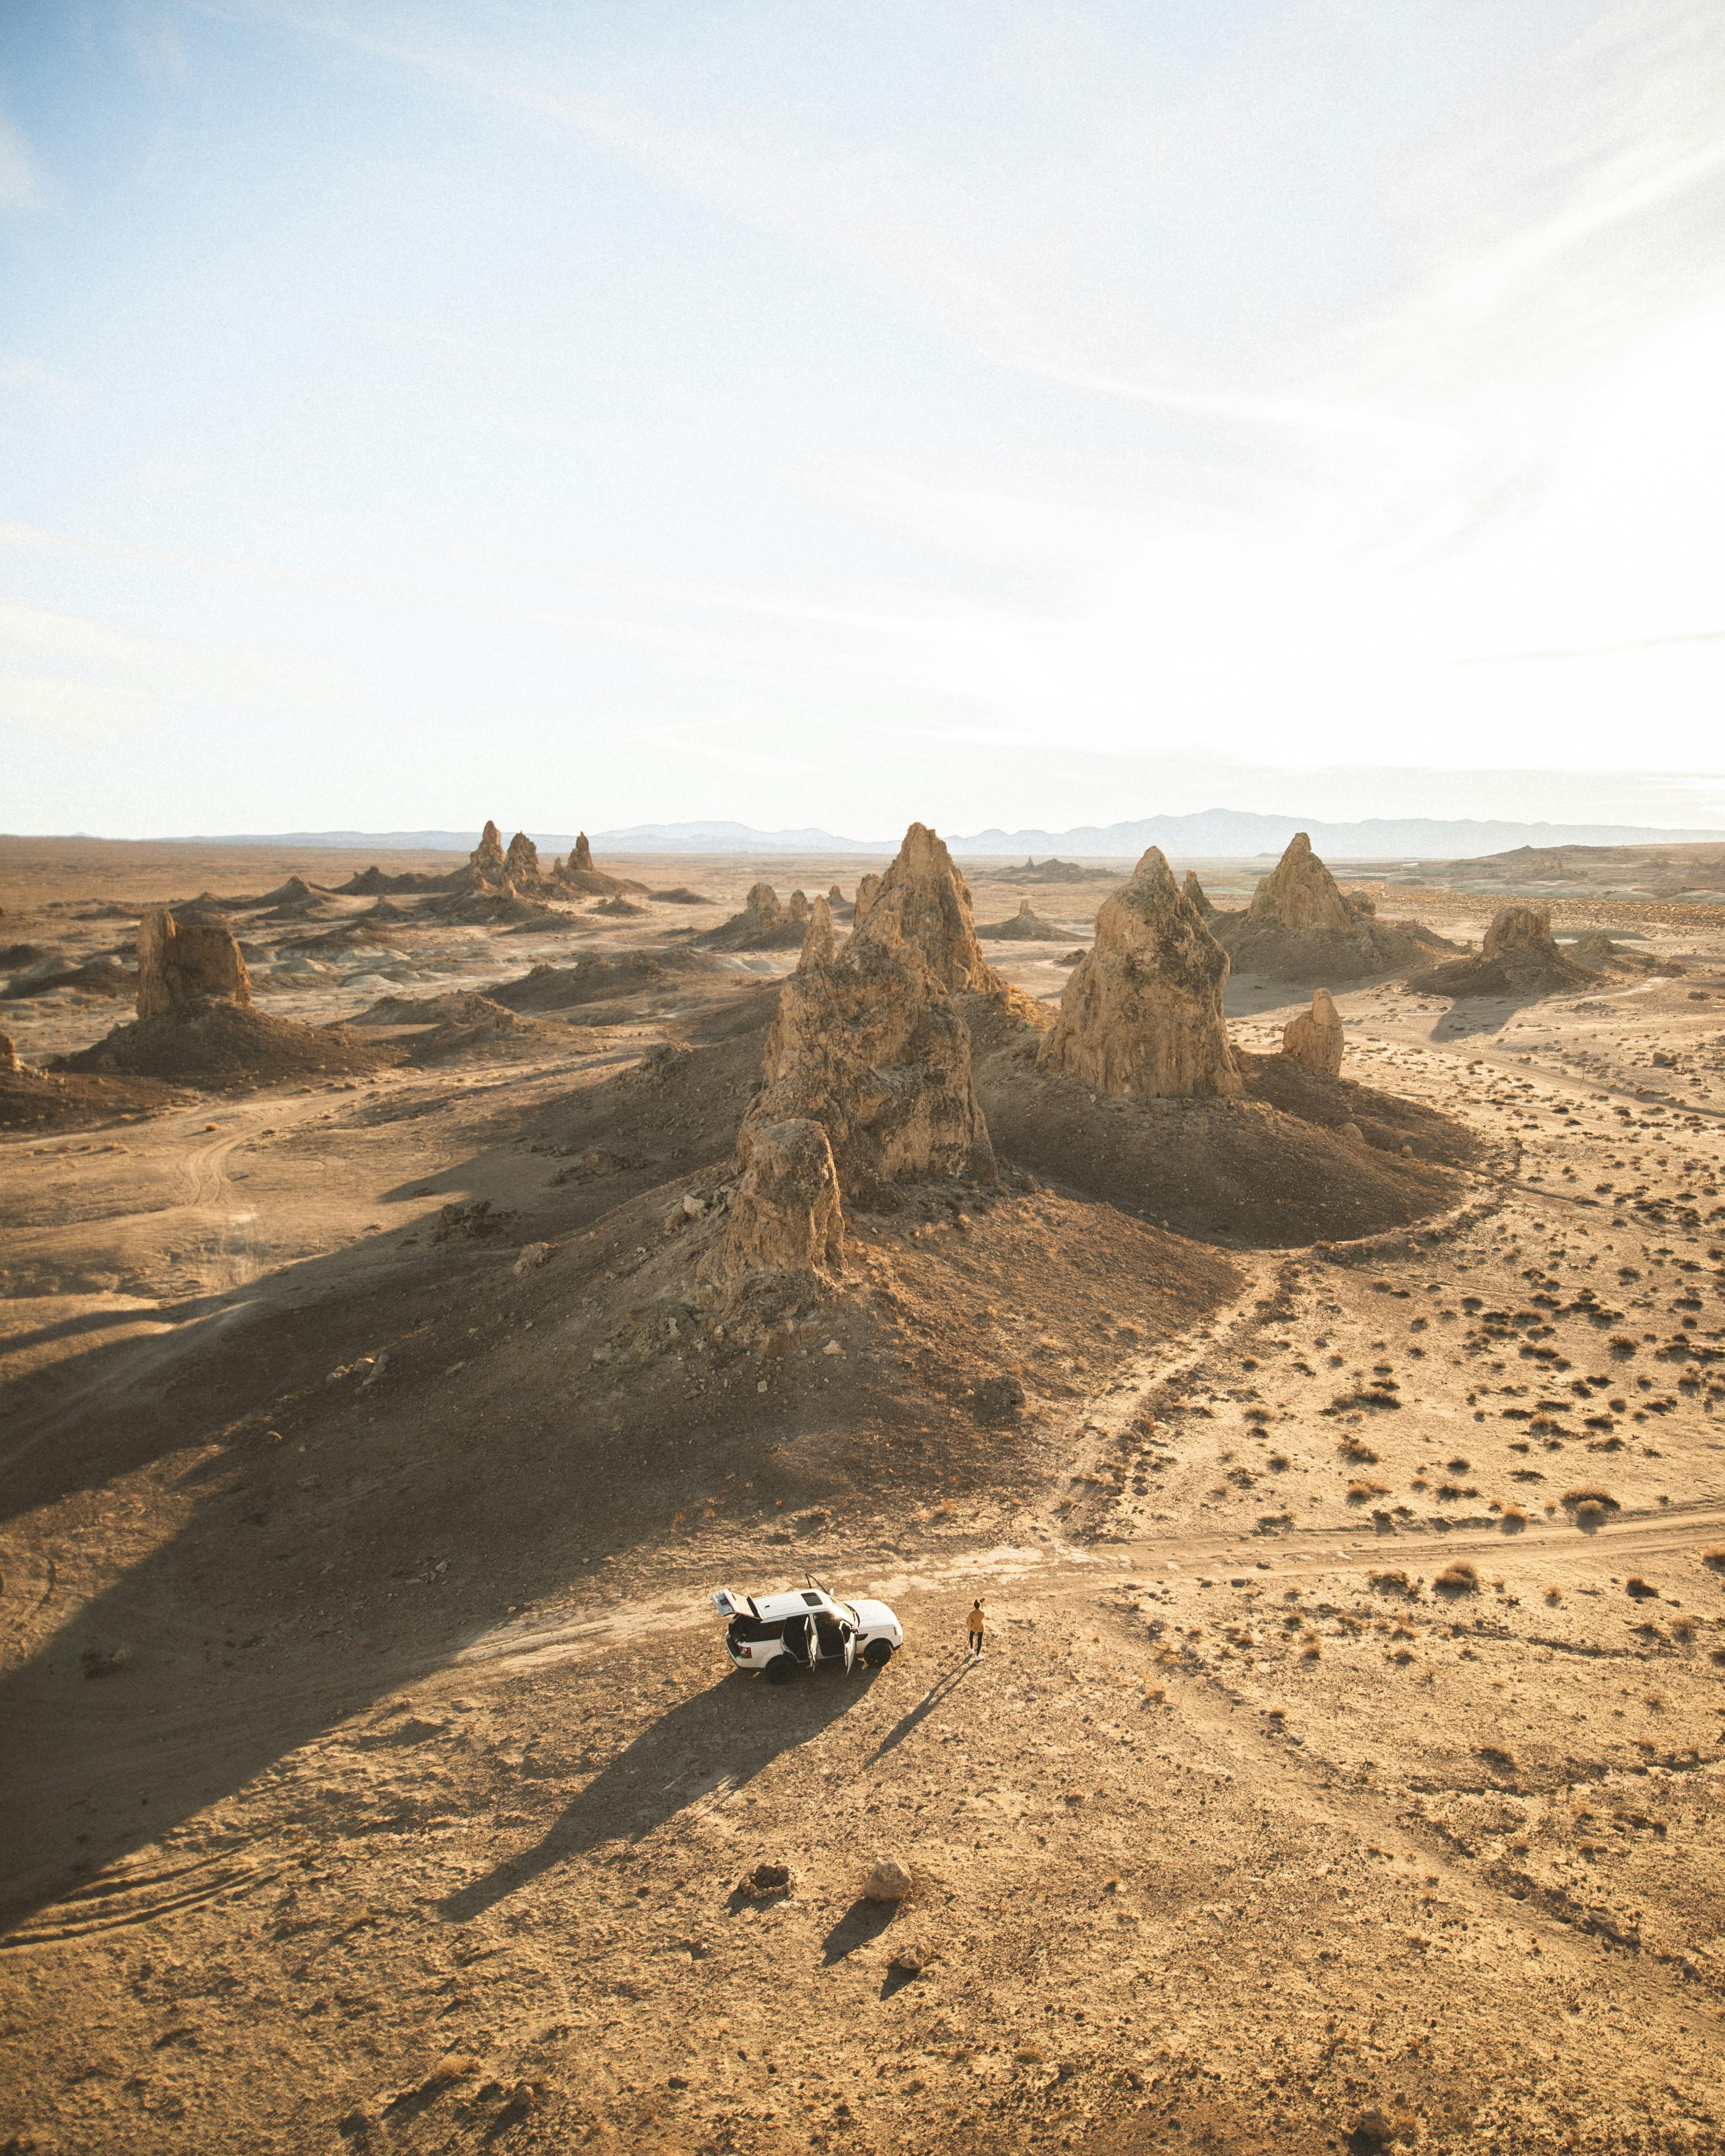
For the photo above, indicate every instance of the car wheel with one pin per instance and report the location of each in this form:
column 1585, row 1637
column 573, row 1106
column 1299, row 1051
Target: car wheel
column 780, row 1670
column 878, row 1654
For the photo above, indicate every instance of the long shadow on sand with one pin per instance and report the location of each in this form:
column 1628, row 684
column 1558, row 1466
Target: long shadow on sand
column 698, row 1755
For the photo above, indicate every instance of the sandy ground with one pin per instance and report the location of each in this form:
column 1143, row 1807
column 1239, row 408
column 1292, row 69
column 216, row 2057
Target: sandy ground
column 1345, row 1765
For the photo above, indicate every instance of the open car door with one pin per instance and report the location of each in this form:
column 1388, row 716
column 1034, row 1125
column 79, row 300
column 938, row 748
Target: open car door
column 848, row 1633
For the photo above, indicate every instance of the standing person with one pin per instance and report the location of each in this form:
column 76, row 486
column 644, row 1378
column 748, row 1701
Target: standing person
column 973, row 1626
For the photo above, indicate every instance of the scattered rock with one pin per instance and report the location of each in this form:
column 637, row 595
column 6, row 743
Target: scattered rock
column 889, row 1880
column 1315, row 1038
column 768, row 1879
column 1143, row 1014
column 532, row 1256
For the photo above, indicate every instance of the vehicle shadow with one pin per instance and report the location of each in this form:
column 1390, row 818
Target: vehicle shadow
column 696, row 1757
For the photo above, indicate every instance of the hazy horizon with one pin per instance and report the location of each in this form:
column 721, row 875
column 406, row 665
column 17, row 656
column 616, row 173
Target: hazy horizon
column 1004, row 416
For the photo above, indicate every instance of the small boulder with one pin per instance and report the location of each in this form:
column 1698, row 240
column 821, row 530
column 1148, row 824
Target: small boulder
column 532, row 1256
column 1315, row 1040
column 889, row 1880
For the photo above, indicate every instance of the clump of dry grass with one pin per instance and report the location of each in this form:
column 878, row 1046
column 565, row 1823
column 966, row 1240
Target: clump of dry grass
column 1312, row 1651
column 1639, row 1589
column 1513, row 1519
column 1713, row 1559
column 1392, row 1583
column 1495, row 1757
column 1361, row 1454
column 1554, row 1597
column 1459, row 1578
column 1621, row 1345
column 1589, row 1508
column 1362, row 1488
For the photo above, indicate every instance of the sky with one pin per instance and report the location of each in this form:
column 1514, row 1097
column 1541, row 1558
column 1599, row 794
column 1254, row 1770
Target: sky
column 590, row 414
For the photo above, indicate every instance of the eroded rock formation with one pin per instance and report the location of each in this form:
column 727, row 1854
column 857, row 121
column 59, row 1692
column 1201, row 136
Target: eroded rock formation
column 182, row 964
column 521, row 864
column 819, row 944
column 1302, row 926
column 8, row 1053
column 923, row 900
column 1141, row 1014
column 797, row 906
column 1315, row 1039
column 1518, row 958
column 868, row 1045
column 785, row 1213
column 1194, row 890
column 486, row 860
column 866, row 888
column 762, row 925
column 580, row 856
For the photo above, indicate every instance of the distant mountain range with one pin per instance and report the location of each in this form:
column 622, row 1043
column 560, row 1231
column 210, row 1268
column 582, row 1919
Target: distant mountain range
column 1210, row 834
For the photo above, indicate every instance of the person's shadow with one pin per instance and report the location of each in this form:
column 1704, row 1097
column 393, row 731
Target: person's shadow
column 696, row 1757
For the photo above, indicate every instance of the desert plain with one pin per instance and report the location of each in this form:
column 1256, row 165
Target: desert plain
column 1340, row 1458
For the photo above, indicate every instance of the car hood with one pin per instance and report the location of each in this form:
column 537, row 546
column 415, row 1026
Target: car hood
column 874, row 1616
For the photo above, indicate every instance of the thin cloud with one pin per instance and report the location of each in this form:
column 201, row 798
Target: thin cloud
column 21, row 183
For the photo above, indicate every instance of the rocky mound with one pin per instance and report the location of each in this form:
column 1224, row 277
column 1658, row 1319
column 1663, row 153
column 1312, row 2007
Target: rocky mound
column 487, row 908
column 598, row 979
column 17, row 956
column 1052, row 871
column 1518, row 958
column 521, row 864
column 345, row 936
column 373, row 882
column 1300, row 1159
column 681, row 895
column 1315, row 1039
column 1299, row 928
column 1194, row 892
column 226, row 1044
column 619, row 908
column 1598, row 951
column 762, row 925
column 461, row 1025
column 97, row 977
column 47, row 1101
column 1141, row 1014
column 1026, row 925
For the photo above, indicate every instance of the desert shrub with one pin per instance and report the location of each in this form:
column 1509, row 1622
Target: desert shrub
column 1497, row 1758
column 1362, row 1487
column 1513, row 1519
column 1461, row 1577
column 1392, row 1583
column 1572, row 1499
column 1640, row 1589
column 1713, row 1559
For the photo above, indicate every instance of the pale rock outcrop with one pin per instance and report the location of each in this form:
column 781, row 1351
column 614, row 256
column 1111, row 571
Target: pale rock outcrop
column 1194, row 890
column 819, row 945
column 581, row 855
column 785, row 1214
column 522, row 862
column 1141, row 1014
column 869, row 1046
column 867, row 886
column 763, row 924
column 1315, row 1039
column 761, row 905
column 1515, row 930
column 797, row 906
column 836, row 896
column 8, row 1053
column 182, row 964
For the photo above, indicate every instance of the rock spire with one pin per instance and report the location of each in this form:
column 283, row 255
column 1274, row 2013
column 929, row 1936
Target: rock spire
column 1141, row 1014
column 182, row 964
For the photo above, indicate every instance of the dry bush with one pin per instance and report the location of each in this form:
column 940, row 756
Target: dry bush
column 1392, row 1583
column 1495, row 1757
column 1312, row 1651
column 1362, row 1487
column 1461, row 1577
column 1658, row 1701
column 1639, row 1589
column 1713, row 1559
column 1621, row 1344
column 1590, row 1504
column 1513, row 1519
column 1683, row 1628
column 1362, row 1455
column 1553, row 1596
column 1459, row 1467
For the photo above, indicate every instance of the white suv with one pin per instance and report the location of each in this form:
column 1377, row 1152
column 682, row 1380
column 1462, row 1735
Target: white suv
column 782, row 1633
